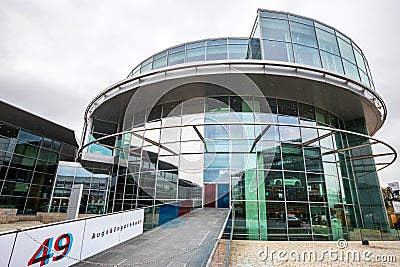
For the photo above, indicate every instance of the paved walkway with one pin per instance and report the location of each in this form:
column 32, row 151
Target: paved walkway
column 314, row 253
column 172, row 238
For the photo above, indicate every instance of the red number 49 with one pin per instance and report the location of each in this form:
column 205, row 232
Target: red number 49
column 44, row 253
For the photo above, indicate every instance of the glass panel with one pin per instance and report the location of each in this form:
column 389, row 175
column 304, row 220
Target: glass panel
column 292, row 157
column 325, row 28
column 216, row 52
column 360, row 60
column 322, row 116
column 145, row 68
column 196, row 54
column 196, row 44
column 255, row 49
column 276, row 219
column 176, row 58
column 279, row 51
column 160, row 63
column 26, row 150
column 364, row 78
column 327, row 42
column 246, row 219
column 273, row 15
column 104, row 127
column 298, row 218
column 237, row 51
column 223, row 196
column 8, row 131
column 26, row 137
column 307, row 55
column 333, row 189
column 217, row 104
column 275, row 29
column 316, row 187
column 351, row 70
column 306, row 111
column 301, row 20
column 286, row 107
column 346, row 51
column 331, row 62
column 291, row 134
column 176, row 49
column 303, row 34
column 216, row 42
column 273, row 181
column 313, row 159
column 238, row 41
column 295, row 186
column 320, row 220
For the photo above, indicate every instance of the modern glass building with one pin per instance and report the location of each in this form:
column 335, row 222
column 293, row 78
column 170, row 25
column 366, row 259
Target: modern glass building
column 30, row 150
column 278, row 126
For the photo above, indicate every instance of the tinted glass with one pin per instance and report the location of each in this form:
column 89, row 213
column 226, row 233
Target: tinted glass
column 327, row 41
column 303, row 34
column 275, row 29
column 307, row 55
column 346, row 51
column 279, row 51
column 331, row 62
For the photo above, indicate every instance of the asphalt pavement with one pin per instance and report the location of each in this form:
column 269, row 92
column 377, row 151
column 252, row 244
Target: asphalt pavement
column 184, row 241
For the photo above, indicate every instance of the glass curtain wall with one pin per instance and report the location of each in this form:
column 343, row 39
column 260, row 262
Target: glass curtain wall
column 28, row 164
column 289, row 182
column 294, row 39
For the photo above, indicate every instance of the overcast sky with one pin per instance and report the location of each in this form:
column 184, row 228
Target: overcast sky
column 55, row 56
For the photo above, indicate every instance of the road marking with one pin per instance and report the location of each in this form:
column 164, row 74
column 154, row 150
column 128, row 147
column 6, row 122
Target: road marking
column 121, row 262
column 189, row 220
column 161, row 238
column 216, row 221
column 204, row 237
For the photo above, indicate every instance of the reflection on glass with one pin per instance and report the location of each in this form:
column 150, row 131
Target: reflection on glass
column 307, row 55
column 327, row 41
column 303, row 34
column 331, row 62
column 217, row 52
column 346, row 51
column 275, row 29
column 176, row 58
column 195, row 54
column 273, row 181
column 298, row 219
column 279, row 51
column 351, row 70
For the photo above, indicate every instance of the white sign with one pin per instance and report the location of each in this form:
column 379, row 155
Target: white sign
column 48, row 246
column 74, row 201
column 133, row 224
column 107, row 231
column 6, row 245
column 66, row 243
column 100, row 234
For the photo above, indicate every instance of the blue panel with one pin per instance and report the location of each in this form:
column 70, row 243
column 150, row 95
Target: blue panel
column 223, row 196
column 167, row 213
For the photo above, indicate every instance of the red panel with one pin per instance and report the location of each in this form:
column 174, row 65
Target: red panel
column 184, row 207
column 210, row 195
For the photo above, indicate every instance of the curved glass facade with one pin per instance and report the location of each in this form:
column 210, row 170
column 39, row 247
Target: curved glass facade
column 287, row 172
column 275, row 146
column 278, row 37
column 206, row 50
